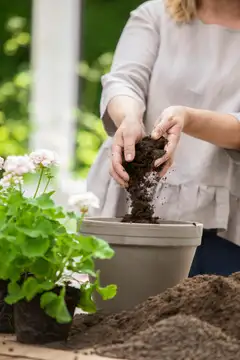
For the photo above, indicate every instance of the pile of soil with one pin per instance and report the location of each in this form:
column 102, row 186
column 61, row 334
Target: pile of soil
column 177, row 338
column 198, row 319
column 144, row 178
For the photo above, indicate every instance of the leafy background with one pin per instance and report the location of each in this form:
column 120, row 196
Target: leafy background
column 101, row 30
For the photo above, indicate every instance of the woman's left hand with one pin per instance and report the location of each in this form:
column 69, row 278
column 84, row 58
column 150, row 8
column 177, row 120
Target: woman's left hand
column 170, row 125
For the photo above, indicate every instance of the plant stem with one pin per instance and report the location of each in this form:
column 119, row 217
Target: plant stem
column 39, row 182
column 81, row 219
column 69, row 254
column 48, row 182
column 20, row 188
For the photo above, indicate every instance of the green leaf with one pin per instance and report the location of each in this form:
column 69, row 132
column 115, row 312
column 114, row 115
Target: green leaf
column 96, row 247
column 44, row 201
column 55, row 306
column 47, row 298
column 42, row 227
column 35, row 246
column 30, row 288
column 84, row 267
column 86, row 302
column 59, row 213
column 33, row 233
column 12, row 272
column 103, row 250
column 63, row 315
column 9, row 255
column 3, row 216
column 41, row 268
column 14, row 201
column 47, row 285
column 107, row 292
column 87, row 243
column 15, row 293
column 72, row 215
column 61, row 230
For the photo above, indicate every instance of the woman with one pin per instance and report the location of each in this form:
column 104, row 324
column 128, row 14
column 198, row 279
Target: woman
column 176, row 71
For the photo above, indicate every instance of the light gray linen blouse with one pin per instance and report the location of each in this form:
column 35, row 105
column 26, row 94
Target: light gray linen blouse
column 160, row 63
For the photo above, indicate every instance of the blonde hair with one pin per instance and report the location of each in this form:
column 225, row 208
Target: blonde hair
column 182, row 11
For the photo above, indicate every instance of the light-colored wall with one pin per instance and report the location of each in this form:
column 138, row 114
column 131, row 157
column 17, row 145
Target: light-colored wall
column 55, row 55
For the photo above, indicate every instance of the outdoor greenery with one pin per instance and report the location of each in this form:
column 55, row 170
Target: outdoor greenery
column 100, row 36
column 14, row 104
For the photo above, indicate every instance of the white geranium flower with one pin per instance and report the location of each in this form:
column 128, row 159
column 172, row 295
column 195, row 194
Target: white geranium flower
column 18, row 165
column 10, row 179
column 83, row 201
column 1, row 163
column 44, row 158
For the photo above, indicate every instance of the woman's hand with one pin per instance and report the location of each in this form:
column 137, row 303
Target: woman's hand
column 127, row 135
column 170, row 124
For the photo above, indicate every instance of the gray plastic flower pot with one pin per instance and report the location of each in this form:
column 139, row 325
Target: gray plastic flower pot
column 148, row 258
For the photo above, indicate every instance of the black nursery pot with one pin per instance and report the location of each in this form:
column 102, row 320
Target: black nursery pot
column 6, row 311
column 34, row 326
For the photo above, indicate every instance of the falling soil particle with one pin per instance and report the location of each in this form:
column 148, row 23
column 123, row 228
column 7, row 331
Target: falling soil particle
column 144, row 178
column 199, row 319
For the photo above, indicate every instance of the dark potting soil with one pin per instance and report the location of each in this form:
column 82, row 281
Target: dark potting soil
column 144, row 178
column 179, row 337
column 6, row 311
column 198, row 319
column 34, row 326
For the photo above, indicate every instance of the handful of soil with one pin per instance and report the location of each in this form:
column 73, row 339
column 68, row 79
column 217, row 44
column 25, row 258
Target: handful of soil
column 144, row 178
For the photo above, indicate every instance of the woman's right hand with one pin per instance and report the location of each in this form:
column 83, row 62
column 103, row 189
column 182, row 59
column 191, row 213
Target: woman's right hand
column 127, row 135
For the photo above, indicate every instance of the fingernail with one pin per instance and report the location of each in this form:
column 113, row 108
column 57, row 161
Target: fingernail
column 129, row 157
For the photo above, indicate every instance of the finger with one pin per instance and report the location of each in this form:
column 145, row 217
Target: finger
column 158, row 131
column 173, row 139
column 117, row 178
column 162, row 125
column 129, row 142
column 117, row 162
column 165, row 168
column 164, row 159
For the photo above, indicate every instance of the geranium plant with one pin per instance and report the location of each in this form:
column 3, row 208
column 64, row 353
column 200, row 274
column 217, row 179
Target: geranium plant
column 38, row 250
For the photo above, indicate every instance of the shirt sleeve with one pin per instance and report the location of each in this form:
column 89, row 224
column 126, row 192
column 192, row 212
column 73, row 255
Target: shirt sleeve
column 133, row 61
column 235, row 154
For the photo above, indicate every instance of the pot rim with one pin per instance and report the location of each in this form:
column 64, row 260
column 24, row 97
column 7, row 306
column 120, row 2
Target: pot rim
column 168, row 233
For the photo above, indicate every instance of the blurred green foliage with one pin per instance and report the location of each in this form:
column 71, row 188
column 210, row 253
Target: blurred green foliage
column 90, row 133
column 20, row 12
column 14, row 105
column 101, row 30
column 103, row 21
column 14, row 92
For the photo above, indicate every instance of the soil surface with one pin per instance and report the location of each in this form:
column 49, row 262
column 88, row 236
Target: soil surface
column 180, row 337
column 144, row 178
column 198, row 319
